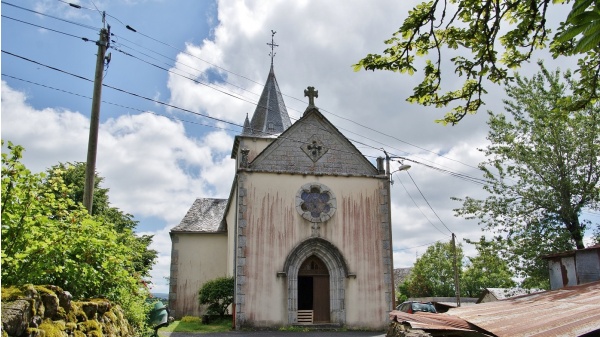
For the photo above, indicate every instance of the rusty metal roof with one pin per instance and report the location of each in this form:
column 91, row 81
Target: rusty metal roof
column 569, row 311
column 503, row 293
column 431, row 321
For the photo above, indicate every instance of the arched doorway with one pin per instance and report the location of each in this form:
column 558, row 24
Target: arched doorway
column 335, row 264
column 313, row 289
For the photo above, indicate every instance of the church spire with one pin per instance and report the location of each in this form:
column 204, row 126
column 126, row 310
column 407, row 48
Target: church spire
column 271, row 116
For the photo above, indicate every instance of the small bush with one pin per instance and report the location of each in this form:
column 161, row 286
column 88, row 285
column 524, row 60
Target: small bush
column 190, row 319
column 218, row 294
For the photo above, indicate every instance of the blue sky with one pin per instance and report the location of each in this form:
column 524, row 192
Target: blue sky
column 211, row 58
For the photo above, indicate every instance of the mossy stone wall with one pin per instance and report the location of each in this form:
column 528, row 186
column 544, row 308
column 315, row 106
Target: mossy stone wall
column 48, row 311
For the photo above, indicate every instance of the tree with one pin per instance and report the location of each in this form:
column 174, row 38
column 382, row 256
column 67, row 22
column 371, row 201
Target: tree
column 433, row 272
column 542, row 169
column 489, row 38
column 486, row 270
column 73, row 175
column 47, row 238
column 218, row 294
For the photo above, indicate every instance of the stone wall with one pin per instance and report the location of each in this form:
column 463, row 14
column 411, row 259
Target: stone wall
column 48, row 311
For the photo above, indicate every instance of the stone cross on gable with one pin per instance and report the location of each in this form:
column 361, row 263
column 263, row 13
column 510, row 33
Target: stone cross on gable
column 311, row 93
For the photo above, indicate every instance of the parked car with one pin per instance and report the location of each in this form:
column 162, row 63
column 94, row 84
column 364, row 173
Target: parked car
column 413, row 306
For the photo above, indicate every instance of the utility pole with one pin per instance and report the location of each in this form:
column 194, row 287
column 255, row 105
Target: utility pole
column 90, row 168
column 456, row 283
column 389, row 202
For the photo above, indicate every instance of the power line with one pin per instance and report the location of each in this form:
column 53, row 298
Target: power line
column 119, row 105
column 324, row 110
column 189, row 54
column 419, row 246
column 434, row 212
column 51, row 16
column 462, row 176
column 154, row 100
column 160, row 102
column 420, row 210
column 50, row 29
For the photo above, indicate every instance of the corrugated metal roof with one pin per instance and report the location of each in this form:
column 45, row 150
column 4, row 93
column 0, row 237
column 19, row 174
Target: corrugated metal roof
column 503, row 293
column 571, row 252
column 205, row 216
column 430, row 321
column 569, row 311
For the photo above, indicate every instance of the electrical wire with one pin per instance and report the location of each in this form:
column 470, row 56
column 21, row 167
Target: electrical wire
column 223, row 91
column 419, row 246
column 428, row 204
column 51, row 16
column 236, row 74
column 454, row 174
column 120, row 105
column 50, row 29
column 196, row 81
column 292, row 97
column 154, row 100
column 420, row 210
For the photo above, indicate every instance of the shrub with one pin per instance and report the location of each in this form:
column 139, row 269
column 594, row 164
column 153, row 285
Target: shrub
column 218, row 294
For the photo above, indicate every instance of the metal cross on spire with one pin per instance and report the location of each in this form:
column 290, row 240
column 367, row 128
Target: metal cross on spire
column 273, row 45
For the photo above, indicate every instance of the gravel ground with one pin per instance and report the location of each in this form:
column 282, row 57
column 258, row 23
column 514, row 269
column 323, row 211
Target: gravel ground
column 277, row 334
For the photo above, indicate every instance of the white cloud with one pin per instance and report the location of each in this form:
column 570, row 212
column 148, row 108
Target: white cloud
column 156, row 167
column 150, row 165
column 318, row 44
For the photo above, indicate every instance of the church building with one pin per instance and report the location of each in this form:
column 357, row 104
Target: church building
column 305, row 231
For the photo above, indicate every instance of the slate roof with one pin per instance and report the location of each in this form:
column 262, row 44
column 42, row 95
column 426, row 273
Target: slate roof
column 271, row 116
column 205, row 216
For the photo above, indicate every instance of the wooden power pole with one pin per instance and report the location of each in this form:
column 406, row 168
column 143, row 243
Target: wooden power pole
column 90, row 168
column 456, row 282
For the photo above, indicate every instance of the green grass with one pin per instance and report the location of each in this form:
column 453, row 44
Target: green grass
column 187, row 324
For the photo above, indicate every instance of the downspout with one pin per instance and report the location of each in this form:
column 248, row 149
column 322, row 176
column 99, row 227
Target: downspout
column 235, row 230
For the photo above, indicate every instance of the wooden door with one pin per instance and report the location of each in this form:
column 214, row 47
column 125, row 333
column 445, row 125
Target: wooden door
column 313, row 289
column 321, row 299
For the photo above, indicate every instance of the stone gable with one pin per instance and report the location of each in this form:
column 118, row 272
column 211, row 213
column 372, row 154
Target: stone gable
column 313, row 145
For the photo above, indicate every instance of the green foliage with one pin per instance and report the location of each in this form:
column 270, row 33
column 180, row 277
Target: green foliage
column 73, row 175
column 486, row 270
column 433, row 272
column 489, row 38
column 191, row 319
column 220, row 324
column 218, row 294
column 583, row 20
column 542, row 170
column 49, row 238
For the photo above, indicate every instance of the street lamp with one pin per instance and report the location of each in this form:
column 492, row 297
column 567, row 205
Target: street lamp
column 403, row 167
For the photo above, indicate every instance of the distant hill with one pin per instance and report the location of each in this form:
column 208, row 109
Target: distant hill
column 164, row 296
